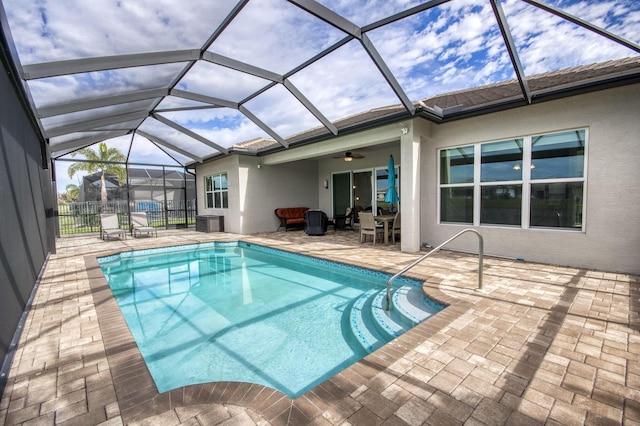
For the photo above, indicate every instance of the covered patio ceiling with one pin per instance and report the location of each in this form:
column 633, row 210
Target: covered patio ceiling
column 192, row 80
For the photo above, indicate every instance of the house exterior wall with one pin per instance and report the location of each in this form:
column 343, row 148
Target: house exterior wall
column 228, row 165
column 611, row 240
column 611, row 237
column 267, row 188
column 254, row 193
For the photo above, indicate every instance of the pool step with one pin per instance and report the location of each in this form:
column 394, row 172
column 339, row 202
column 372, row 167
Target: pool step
column 412, row 304
column 362, row 324
column 390, row 322
column 373, row 325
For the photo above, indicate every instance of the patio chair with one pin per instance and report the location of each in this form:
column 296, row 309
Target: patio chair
column 342, row 221
column 315, row 222
column 109, row 226
column 368, row 227
column 395, row 228
column 140, row 224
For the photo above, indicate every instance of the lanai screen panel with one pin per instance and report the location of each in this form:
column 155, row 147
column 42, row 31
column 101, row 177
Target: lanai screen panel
column 275, row 69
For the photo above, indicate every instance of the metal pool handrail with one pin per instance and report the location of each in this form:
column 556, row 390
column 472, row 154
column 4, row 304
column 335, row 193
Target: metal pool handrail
column 435, row 250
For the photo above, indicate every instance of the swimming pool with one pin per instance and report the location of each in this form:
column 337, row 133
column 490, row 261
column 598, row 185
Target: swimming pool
column 240, row 312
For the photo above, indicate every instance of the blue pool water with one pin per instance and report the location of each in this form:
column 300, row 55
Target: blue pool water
column 239, row 312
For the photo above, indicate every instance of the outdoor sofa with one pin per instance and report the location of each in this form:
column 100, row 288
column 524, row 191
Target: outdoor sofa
column 290, row 217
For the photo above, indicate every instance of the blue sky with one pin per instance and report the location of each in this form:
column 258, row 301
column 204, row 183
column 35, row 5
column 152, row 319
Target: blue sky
column 452, row 47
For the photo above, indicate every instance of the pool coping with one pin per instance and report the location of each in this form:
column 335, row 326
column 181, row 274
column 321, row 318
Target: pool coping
column 138, row 397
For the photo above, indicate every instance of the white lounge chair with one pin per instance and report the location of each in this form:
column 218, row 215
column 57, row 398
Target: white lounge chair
column 109, row 226
column 141, row 224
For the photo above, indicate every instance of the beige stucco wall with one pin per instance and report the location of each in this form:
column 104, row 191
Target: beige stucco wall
column 271, row 186
column 230, row 166
column 611, row 240
column 254, row 193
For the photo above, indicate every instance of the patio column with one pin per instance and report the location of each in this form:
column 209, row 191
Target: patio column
column 410, row 188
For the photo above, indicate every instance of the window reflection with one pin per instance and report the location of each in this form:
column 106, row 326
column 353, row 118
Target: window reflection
column 551, row 165
column 559, row 155
column 382, row 185
column 557, row 205
column 456, row 165
column 502, row 161
column 217, row 191
column 501, row 205
column 456, row 204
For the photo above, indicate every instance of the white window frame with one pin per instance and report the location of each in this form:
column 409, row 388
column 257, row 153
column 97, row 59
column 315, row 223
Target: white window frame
column 526, row 182
column 215, row 191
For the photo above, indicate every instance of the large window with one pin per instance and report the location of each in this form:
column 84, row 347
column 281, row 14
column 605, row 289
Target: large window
column 501, row 182
column 216, row 191
column 456, row 184
column 533, row 181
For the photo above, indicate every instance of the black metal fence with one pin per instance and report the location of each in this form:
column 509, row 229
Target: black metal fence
column 84, row 217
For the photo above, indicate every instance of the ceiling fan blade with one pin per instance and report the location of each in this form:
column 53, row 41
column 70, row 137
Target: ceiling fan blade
column 349, row 154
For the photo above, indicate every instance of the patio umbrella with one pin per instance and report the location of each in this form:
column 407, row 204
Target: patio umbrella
column 391, row 196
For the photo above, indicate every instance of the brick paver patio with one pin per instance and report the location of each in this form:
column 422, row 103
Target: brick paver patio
column 541, row 345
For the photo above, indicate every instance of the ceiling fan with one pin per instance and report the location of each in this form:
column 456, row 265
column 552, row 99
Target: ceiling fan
column 350, row 156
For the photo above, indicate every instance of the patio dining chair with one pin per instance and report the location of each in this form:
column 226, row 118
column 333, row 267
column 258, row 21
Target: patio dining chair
column 109, row 226
column 140, row 224
column 395, row 228
column 368, row 227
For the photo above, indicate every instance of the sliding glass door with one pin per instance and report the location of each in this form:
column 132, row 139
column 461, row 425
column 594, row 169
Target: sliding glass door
column 341, row 192
column 362, row 191
column 358, row 189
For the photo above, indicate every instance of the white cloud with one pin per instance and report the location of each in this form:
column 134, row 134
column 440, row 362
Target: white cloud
column 363, row 12
column 281, row 111
column 214, row 80
column 275, row 35
column 453, row 46
column 223, row 126
column 67, row 88
column 547, row 42
column 50, row 30
column 447, row 48
column 344, row 83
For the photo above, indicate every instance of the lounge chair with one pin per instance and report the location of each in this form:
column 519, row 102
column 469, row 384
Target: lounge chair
column 368, row 227
column 109, row 226
column 140, row 224
column 315, row 222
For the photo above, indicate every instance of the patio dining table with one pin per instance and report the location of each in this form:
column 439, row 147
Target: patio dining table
column 385, row 219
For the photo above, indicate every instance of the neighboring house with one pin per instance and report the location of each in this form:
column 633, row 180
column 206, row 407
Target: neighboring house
column 90, row 188
column 145, row 186
column 552, row 182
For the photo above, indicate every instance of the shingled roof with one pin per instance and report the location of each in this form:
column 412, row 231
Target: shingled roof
column 540, row 84
column 474, row 101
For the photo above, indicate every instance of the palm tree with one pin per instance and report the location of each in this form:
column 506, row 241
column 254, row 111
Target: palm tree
column 73, row 192
column 101, row 162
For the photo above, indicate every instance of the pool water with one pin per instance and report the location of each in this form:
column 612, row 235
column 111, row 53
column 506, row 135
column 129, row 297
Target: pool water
column 239, row 312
